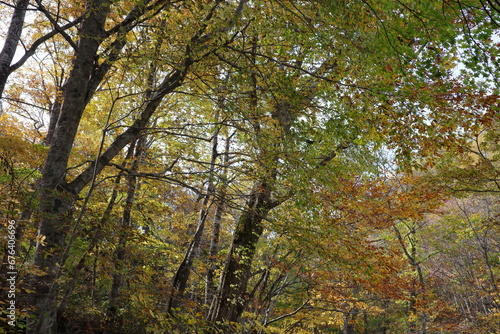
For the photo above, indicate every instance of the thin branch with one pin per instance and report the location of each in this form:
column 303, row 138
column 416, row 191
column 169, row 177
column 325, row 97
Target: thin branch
column 300, row 308
column 157, row 176
column 56, row 26
column 31, row 51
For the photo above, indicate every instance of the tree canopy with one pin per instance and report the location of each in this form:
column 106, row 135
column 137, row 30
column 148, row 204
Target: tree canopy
column 268, row 166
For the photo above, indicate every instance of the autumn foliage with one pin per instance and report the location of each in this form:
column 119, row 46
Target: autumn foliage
column 249, row 166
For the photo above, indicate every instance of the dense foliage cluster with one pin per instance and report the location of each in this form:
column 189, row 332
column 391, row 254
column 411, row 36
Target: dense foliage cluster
column 267, row 166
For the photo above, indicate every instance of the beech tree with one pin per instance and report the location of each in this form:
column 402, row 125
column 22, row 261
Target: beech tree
column 89, row 68
column 176, row 112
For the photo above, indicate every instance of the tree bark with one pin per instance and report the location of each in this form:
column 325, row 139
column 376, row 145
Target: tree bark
column 55, row 201
column 125, row 224
column 55, row 111
column 214, row 245
column 220, row 202
column 57, row 196
column 11, row 42
column 230, row 300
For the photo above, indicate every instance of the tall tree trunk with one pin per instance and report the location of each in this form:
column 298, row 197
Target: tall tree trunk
column 230, row 301
column 214, row 246
column 57, row 199
column 57, row 196
column 418, row 286
column 124, row 227
column 231, row 296
column 220, row 202
column 11, row 42
column 181, row 277
column 56, row 203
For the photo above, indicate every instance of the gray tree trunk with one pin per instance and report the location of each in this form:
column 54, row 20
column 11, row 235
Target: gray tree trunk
column 220, row 202
column 56, row 201
column 11, row 42
column 230, row 299
column 119, row 260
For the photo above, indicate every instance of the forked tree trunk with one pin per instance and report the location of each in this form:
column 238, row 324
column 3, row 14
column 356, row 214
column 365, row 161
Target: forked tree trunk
column 55, row 201
column 57, row 196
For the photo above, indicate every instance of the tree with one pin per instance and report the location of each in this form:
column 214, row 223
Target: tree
column 57, row 195
column 12, row 40
column 303, row 90
column 14, row 36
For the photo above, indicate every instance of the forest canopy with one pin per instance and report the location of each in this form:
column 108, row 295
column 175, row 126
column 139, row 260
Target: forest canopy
column 236, row 166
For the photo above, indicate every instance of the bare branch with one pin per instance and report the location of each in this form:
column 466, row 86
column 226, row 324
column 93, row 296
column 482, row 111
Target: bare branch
column 281, row 317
